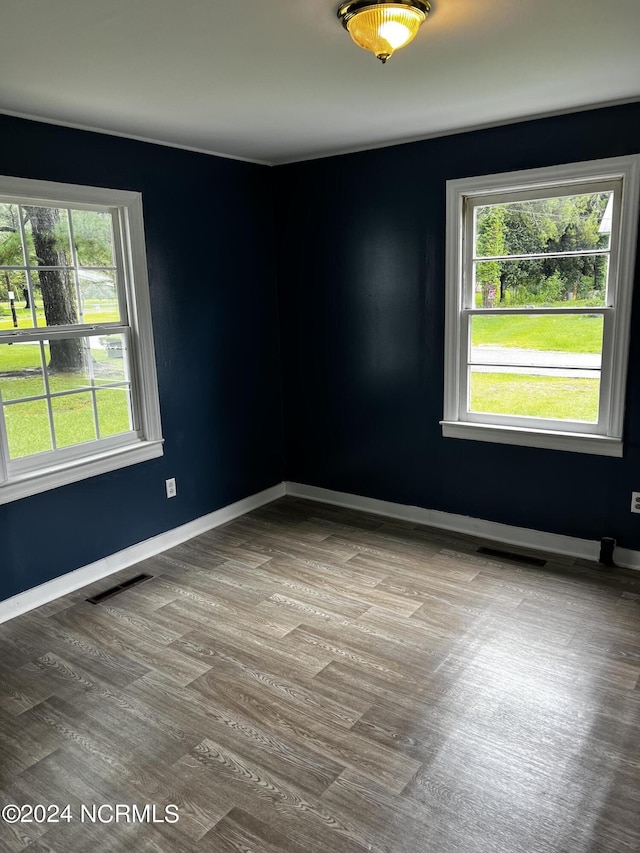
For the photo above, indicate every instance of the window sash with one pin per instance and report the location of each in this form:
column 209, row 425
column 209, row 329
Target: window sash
column 604, row 400
column 75, row 452
column 540, row 190
column 119, row 266
column 52, row 457
column 505, row 196
column 52, row 333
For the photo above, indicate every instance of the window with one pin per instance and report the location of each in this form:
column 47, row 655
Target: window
column 77, row 371
column 540, row 271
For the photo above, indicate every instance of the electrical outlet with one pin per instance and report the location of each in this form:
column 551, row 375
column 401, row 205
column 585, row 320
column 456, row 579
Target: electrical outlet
column 635, row 501
column 171, row 488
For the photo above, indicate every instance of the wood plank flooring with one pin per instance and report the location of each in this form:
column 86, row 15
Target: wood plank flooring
column 308, row 679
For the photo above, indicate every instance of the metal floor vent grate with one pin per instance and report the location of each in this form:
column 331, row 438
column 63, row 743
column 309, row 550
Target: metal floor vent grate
column 114, row 590
column 515, row 558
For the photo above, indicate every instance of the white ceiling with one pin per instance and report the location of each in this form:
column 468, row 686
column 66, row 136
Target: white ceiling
column 280, row 80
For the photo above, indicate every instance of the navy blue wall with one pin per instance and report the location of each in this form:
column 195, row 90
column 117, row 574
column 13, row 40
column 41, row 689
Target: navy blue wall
column 360, row 242
column 361, row 275
column 210, row 247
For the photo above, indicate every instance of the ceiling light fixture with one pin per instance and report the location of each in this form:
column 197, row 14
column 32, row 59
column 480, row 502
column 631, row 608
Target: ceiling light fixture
column 383, row 27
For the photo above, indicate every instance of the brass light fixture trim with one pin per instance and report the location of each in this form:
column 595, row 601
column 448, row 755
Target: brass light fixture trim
column 383, row 27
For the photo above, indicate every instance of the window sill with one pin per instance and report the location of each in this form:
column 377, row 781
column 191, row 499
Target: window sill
column 34, row 482
column 600, row 445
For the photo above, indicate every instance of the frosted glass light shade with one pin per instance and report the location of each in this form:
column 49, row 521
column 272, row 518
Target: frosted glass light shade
column 383, row 27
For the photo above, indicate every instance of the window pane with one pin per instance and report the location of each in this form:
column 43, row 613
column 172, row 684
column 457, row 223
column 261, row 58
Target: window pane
column 73, row 419
column 93, row 238
column 113, row 411
column 56, row 293
column 75, row 363
column 47, row 234
column 28, row 428
column 109, row 355
column 20, row 371
column 579, row 281
column 559, row 394
column 69, row 364
column 99, row 296
column 14, row 282
column 565, row 224
column 571, row 341
column 11, row 254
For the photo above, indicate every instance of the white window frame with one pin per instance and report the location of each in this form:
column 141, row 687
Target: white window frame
column 48, row 470
column 463, row 195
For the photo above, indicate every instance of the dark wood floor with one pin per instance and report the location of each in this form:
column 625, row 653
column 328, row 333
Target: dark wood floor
column 314, row 680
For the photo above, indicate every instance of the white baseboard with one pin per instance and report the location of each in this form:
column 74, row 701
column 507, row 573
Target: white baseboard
column 627, row 559
column 538, row 540
column 58, row 587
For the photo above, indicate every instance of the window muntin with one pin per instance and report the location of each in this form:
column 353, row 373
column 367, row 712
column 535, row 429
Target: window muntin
column 536, row 327
column 77, row 369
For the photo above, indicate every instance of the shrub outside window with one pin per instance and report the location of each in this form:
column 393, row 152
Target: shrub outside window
column 539, row 281
column 77, row 369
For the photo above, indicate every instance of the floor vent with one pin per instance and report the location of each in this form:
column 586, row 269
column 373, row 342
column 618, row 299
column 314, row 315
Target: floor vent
column 114, row 590
column 514, row 558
